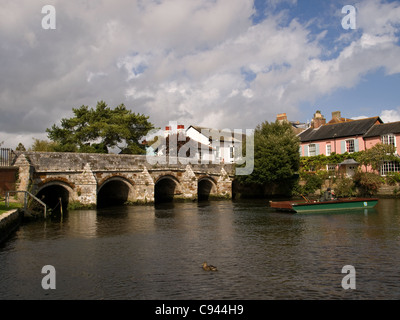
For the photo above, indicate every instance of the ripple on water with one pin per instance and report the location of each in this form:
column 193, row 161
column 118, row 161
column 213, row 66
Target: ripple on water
column 156, row 253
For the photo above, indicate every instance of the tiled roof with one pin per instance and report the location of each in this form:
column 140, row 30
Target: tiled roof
column 339, row 130
column 382, row 129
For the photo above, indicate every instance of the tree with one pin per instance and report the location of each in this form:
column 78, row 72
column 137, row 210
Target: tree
column 43, row 146
column 20, row 147
column 276, row 154
column 376, row 155
column 98, row 130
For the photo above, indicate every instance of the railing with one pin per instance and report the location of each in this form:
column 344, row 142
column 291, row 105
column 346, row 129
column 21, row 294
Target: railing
column 7, row 157
column 26, row 194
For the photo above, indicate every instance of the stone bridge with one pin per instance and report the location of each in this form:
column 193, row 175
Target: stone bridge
column 89, row 180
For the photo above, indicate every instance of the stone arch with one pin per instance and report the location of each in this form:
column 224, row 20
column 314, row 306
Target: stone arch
column 116, row 190
column 206, row 187
column 53, row 191
column 166, row 188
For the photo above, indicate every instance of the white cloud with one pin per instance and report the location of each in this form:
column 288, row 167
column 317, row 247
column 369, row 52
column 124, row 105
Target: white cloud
column 390, row 115
column 198, row 62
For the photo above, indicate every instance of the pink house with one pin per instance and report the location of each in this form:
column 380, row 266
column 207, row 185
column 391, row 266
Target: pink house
column 341, row 135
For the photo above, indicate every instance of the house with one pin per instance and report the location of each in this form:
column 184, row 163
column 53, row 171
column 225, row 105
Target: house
column 342, row 135
column 386, row 133
column 297, row 126
column 339, row 136
column 225, row 144
column 201, row 143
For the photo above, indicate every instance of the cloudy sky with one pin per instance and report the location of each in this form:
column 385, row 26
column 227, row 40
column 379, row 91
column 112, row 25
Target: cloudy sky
column 215, row 63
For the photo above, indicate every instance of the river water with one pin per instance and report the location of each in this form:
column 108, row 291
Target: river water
column 147, row 252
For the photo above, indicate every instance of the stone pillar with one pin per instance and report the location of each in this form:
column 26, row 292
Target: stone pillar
column 25, row 174
column 144, row 187
column 188, row 184
column 224, row 184
column 85, row 191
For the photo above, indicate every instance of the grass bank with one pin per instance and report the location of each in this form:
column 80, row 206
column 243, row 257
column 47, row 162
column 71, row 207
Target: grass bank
column 3, row 207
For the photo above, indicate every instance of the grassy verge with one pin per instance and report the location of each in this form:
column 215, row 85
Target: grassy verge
column 3, row 207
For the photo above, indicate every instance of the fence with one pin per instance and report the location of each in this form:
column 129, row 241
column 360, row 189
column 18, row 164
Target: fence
column 7, row 157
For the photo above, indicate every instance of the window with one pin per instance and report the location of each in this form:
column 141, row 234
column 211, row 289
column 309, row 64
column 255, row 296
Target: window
column 331, row 167
column 350, row 146
column 389, row 139
column 232, row 152
column 390, row 166
column 328, row 149
column 217, row 152
column 312, row 150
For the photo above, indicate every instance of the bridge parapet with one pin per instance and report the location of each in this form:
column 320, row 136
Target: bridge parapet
column 74, row 162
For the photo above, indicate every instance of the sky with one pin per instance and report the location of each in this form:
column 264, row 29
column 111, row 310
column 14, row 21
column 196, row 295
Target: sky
column 215, row 63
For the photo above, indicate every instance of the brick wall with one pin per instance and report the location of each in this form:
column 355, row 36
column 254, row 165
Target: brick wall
column 8, row 178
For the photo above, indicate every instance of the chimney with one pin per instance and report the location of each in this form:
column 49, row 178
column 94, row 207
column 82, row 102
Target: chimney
column 167, row 131
column 318, row 120
column 282, row 117
column 336, row 115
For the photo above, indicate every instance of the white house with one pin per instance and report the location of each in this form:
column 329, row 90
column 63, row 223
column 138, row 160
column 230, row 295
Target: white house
column 205, row 144
column 225, row 144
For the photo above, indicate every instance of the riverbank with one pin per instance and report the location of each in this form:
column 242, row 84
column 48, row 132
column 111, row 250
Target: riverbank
column 9, row 222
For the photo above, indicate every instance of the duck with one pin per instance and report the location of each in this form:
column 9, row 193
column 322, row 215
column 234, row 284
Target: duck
column 207, row 267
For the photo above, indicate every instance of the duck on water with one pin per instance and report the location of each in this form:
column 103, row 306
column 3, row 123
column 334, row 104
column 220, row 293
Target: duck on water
column 207, row 267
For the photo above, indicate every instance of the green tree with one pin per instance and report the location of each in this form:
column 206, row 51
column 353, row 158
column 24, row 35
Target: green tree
column 98, row 130
column 376, row 155
column 20, row 147
column 43, row 146
column 276, row 154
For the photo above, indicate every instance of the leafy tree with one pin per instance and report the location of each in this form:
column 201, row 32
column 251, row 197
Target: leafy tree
column 376, row 155
column 276, row 154
column 98, row 130
column 43, row 146
column 20, row 147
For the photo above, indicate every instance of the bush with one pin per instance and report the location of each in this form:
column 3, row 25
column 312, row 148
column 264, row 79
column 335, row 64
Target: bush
column 368, row 183
column 393, row 178
column 313, row 182
column 345, row 188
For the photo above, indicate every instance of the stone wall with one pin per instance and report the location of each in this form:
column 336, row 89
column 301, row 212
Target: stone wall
column 9, row 222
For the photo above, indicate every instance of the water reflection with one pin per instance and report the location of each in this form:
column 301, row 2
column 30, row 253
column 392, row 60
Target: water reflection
column 156, row 252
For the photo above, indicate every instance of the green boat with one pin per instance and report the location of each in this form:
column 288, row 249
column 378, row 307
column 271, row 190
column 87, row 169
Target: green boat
column 321, row 206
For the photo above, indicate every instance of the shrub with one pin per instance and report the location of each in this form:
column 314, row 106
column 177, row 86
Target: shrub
column 392, row 178
column 313, row 182
column 345, row 188
column 368, row 183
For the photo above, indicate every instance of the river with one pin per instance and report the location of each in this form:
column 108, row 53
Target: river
column 156, row 252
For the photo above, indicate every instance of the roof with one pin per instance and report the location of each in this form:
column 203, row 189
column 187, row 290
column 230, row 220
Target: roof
column 339, row 130
column 349, row 162
column 224, row 135
column 382, row 129
column 339, row 120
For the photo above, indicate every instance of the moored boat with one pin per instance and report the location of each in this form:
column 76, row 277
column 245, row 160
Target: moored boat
column 312, row 206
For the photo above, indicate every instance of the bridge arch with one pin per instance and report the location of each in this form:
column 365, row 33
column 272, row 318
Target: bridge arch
column 165, row 188
column 51, row 193
column 206, row 186
column 116, row 190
